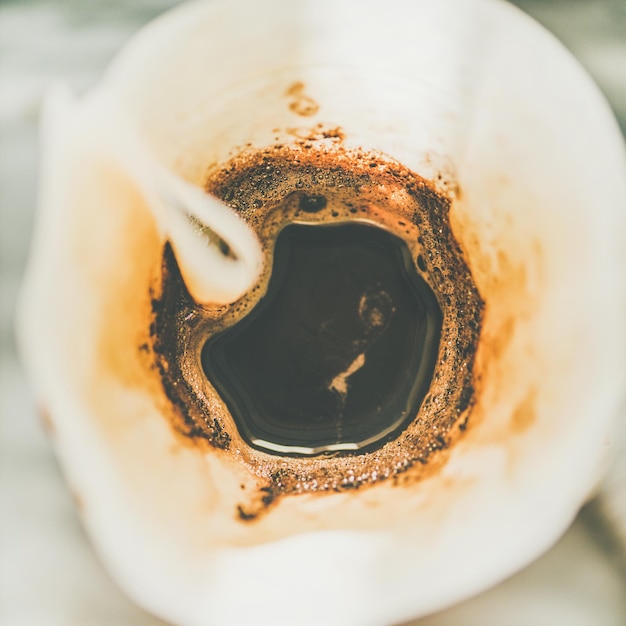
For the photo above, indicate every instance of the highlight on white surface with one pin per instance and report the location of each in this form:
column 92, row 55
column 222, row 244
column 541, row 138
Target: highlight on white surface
column 218, row 254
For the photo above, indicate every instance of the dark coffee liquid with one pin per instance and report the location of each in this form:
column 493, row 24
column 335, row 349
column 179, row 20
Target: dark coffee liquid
column 339, row 353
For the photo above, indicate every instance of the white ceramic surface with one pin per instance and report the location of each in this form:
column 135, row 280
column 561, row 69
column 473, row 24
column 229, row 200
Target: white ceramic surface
column 477, row 93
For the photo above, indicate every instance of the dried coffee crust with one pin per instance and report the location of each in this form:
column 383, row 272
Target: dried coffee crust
column 282, row 184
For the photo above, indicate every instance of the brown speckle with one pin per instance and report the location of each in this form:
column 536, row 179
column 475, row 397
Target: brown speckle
column 300, row 103
column 244, row 516
column 524, row 415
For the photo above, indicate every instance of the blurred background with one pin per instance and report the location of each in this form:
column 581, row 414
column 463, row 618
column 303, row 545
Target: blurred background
column 49, row 574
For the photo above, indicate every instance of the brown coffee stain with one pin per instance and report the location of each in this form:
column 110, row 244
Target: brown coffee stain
column 524, row 415
column 499, row 338
column 508, row 266
column 315, row 133
column 124, row 344
column 509, row 304
column 118, row 249
column 300, row 103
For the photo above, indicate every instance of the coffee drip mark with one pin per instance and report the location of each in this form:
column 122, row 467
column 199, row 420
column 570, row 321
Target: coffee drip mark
column 301, row 104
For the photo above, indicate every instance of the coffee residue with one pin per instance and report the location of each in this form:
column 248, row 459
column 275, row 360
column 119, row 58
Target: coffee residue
column 299, row 102
column 286, row 183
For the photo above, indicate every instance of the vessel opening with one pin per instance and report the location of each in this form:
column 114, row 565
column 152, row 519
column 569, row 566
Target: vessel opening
column 339, row 353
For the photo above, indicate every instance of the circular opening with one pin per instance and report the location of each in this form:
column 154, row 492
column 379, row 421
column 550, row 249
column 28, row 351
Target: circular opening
column 339, row 353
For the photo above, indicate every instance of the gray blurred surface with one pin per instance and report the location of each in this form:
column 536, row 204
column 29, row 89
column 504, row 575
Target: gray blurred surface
column 49, row 574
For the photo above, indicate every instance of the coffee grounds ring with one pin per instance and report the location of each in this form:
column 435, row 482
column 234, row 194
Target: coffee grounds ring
column 271, row 187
